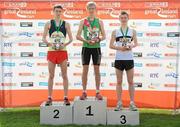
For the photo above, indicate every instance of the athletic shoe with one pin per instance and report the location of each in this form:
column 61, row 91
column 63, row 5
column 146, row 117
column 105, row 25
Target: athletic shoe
column 98, row 96
column 132, row 107
column 48, row 102
column 119, row 106
column 83, row 96
column 66, row 101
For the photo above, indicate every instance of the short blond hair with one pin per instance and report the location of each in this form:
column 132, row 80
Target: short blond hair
column 91, row 3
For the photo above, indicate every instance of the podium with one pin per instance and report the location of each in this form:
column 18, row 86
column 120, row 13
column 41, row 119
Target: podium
column 123, row 117
column 56, row 114
column 89, row 111
column 84, row 112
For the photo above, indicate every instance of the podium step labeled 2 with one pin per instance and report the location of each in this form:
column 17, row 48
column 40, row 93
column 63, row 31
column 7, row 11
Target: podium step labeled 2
column 56, row 114
column 123, row 117
column 90, row 111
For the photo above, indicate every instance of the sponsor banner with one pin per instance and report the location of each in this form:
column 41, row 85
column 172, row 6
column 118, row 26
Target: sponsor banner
column 24, row 55
column 76, row 10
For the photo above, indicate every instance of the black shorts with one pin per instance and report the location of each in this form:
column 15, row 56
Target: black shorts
column 124, row 64
column 88, row 52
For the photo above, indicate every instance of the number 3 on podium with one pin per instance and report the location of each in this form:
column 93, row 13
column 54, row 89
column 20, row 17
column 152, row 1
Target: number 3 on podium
column 123, row 119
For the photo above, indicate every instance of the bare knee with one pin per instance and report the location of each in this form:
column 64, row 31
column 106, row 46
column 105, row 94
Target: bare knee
column 119, row 83
column 64, row 76
column 85, row 70
column 51, row 76
column 131, row 83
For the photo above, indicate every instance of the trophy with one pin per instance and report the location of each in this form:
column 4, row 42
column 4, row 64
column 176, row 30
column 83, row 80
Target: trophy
column 57, row 39
column 126, row 42
column 93, row 34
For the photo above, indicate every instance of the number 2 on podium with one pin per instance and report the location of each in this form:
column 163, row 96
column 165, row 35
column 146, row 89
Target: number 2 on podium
column 56, row 116
column 89, row 111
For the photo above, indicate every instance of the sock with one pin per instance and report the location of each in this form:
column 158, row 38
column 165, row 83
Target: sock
column 97, row 91
column 131, row 102
column 84, row 91
column 65, row 97
column 49, row 97
column 119, row 102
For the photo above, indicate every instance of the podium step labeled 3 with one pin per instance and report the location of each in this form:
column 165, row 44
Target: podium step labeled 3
column 90, row 111
column 56, row 114
column 123, row 117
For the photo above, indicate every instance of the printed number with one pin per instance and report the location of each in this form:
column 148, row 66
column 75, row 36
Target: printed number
column 123, row 119
column 89, row 111
column 56, row 116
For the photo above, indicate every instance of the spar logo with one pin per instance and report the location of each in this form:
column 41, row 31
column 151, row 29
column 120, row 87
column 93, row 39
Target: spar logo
column 6, row 54
column 25, row 44
column 8, row 84
column 154, row 34
column 153, row 65
column 172, row 24
column 162, row 12
column 7, row 24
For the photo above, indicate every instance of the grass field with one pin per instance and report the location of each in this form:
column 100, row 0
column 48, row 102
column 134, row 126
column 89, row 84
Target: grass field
column 29, row 117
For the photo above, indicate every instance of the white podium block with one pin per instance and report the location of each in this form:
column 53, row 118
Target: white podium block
column 123, row 117
column 56, row 114
column 90, row 111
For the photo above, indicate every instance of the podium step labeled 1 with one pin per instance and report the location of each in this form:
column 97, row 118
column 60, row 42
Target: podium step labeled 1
column 56, row 114
column 90, row 111
column 123, row 117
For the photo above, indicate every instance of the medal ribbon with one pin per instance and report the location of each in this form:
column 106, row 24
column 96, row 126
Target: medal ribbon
column 124, row 36
column 58, row 27
column 91, row 23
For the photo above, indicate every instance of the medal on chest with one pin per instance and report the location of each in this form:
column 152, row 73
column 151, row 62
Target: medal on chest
column 57, row 38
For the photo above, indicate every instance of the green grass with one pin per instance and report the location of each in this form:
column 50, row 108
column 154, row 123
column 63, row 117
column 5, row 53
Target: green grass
column 29, row 117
